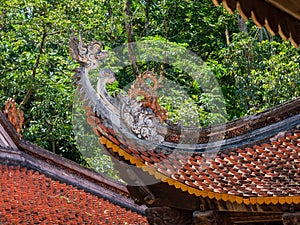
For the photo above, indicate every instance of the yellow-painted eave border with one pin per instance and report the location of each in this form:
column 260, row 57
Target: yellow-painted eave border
column 194, row 191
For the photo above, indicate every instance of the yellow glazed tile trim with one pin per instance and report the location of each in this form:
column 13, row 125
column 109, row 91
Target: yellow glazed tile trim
column 185, row 188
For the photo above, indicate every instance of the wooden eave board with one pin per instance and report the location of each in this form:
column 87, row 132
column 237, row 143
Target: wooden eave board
column 5, row 139
column 291, row 7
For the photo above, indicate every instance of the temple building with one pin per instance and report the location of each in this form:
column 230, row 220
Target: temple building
column 243, row 172
column 246, row 171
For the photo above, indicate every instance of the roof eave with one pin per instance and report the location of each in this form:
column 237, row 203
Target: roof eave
column 282, row 17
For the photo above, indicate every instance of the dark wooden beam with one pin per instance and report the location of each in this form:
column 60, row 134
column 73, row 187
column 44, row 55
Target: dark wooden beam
column 291, row 7
column 243, row 218
column 278, row 16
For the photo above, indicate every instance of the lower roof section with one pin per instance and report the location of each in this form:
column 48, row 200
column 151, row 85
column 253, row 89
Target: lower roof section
column 37, row 186
column 30, row 197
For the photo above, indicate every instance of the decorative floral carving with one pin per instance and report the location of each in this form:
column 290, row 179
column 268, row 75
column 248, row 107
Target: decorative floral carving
column 15, row 115
column 291, row 218
column 168, row 216
column 149, row 94
column 141, row 121
column 141, row 116
column 90, row 55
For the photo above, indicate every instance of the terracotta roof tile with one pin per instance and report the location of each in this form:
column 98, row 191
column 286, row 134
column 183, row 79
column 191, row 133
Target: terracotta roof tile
column 29, row 197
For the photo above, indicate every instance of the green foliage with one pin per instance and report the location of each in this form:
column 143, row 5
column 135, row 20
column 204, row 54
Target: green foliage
column 95, row 156
column 257, row 74
column 36, row 71
column 35, row 67
column 198, row 23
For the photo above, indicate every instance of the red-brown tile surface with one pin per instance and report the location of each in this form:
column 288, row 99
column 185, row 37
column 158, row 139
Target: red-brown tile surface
column 29, row 197
column 268, row 169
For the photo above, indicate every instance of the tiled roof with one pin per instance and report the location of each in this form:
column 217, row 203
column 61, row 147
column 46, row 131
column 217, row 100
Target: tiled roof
column 266, row 173
column 265, row 170
column 277, row 16
column 39, row 187
column 29, row 197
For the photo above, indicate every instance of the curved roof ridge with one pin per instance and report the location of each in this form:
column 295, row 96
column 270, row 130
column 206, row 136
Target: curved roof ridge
column 251, row 138
column 265, row 118
column 241, row 126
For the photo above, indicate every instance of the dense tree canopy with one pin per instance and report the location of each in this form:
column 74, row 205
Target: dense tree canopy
column 254, row 70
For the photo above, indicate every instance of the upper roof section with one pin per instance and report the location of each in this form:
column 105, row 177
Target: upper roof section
column 267, row 173
column 278, row 16
column 251, row 160
column 259, row 167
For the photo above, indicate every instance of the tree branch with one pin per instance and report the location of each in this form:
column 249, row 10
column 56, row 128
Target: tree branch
column 109, row 9
column 35, row 67
column 147, row 17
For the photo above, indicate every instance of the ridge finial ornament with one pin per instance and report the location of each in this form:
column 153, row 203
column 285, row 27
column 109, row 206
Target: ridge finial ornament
column 89, row 54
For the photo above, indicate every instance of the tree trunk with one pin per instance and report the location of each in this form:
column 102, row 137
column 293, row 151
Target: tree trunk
column 128, row 18
column 242, row 25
